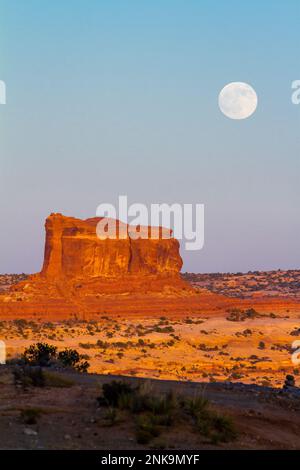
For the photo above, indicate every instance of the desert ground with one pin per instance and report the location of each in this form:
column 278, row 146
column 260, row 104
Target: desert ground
column 192, row 349
column 249, row 343
column 65, row 415
column 233, row 349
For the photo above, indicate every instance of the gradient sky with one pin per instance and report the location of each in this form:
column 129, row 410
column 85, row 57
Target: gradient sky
column 121, row 97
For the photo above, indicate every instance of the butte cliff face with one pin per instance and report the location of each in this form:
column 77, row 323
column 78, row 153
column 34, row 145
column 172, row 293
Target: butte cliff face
column 84, row 275
column 73, row 250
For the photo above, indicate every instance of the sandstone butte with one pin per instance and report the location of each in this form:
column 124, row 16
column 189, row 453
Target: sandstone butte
column 74, row 251
column 84, row 276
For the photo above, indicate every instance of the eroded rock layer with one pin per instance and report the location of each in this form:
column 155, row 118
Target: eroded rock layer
column 73, row 250
column 84, row 275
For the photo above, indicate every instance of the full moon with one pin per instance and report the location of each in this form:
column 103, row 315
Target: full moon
column 237, row 100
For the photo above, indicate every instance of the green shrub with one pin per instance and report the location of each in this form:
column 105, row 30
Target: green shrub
column 113, row 392
column 40, row 354
column 146, row 428
column 153, row 413
column 45, row 355
column 196, row 405
column 163, row 404
column 126, row 401
column 216, row 427
column 71, row 358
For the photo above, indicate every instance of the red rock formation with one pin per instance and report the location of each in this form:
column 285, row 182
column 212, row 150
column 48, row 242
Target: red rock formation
column 87, row 277
column 73, row 250
column 84, row 275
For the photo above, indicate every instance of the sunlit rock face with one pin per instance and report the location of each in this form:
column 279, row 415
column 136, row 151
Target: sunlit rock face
column 85, row 276
column 73, row 250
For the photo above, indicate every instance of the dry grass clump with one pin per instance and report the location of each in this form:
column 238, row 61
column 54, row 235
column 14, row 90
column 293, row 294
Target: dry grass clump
column 155, row 414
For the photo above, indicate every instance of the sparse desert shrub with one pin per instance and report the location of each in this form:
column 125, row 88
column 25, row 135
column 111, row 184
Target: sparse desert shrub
column 163, row 405
column 125, row 401
column 223, row 429
column 266, row 383
column 40, row 354
column 154, row 413
column 45, row 355
column 205, row 347
column 165, row 329
column 251, row 313
column 113, row 391
column 20, row 323
column 85, row 356
column 26, row 376
column 295, row 332
column 30, row 415
column 195, row 405
column 71, row 358
column 137, row 400
column 146, row 428
column 235, row 376
column 215, row 426
column 211, row 424
column 111, row 416
column 102, row 344
column 237, row 314
column 53, row 379
column 53, row 336
column 87, row 345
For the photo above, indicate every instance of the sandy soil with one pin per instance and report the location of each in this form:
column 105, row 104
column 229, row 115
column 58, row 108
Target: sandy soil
column 198, row 348
column 69, row 417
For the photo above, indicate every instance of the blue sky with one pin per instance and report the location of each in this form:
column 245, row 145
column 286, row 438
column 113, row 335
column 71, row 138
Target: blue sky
column 120, row 97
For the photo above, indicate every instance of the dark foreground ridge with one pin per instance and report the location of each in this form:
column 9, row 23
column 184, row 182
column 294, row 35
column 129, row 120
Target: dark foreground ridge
column 67, row 414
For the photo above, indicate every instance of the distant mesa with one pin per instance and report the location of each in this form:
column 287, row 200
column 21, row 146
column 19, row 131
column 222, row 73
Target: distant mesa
column 73, row 250
column 86, row 276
